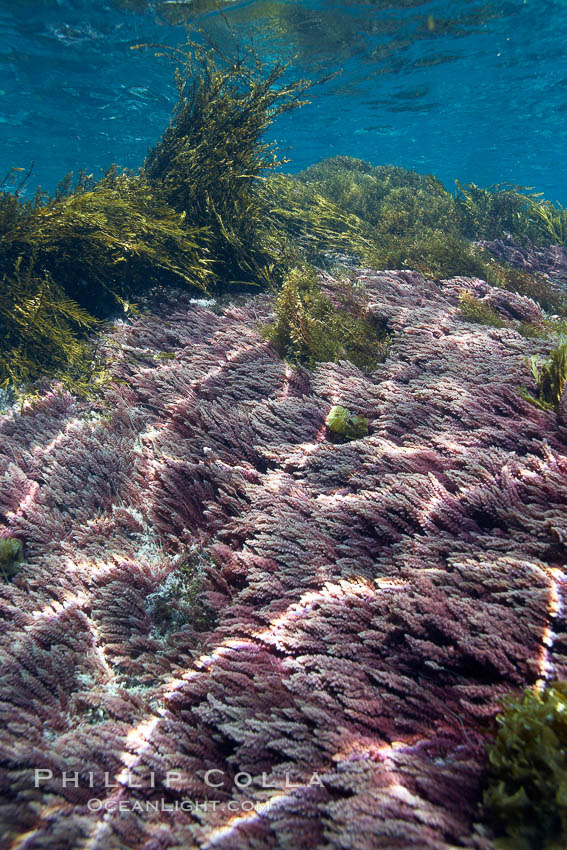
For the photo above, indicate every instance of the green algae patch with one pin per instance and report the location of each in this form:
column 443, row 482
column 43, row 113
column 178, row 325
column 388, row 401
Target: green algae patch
column 550, row 377
column 391, row 199
column 474, row 310
column 402, row 220
column 526, row 793
column 312, row 225
column 309, row 328
column 489, row 213
column 532, row 285
column 11, row 557
column 206, row 212
column 343, row 426
column 181, row 600
column 105, row 243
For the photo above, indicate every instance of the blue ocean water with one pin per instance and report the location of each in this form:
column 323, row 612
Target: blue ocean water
column 470, row 90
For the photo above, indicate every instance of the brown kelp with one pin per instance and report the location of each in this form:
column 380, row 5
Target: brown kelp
column 550, row 377
column 207, row 163
column 205, row 212
column 191, row 217
column 526, row 793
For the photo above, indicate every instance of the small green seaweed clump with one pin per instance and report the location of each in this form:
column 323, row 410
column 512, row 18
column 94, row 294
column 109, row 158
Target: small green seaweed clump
column 310, row 328
column 11, row 557
column 534, row 286
column 474, row 310
column 526, row 794
column 550, row 377
column 343, row 425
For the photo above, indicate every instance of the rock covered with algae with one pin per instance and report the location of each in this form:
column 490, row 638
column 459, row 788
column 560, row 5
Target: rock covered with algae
column 362, row 607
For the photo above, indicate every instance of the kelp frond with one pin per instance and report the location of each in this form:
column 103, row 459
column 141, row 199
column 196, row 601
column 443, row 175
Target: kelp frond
column 318, row 226
column 208, row 162
column 109, row 242
column 550, row 377
column 549, row 220
column 526, row 793
column 516, row 210
column 40, row 329
column 193, row 216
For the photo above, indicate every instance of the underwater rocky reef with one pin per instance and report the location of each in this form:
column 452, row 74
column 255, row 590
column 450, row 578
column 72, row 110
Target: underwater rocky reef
column 216, row 593
column 283, row 479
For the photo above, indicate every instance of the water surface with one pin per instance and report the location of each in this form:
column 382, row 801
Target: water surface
column 468, row 90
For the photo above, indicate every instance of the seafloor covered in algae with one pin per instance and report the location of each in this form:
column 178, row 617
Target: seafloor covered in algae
column 275, row 547
column 211, row 584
